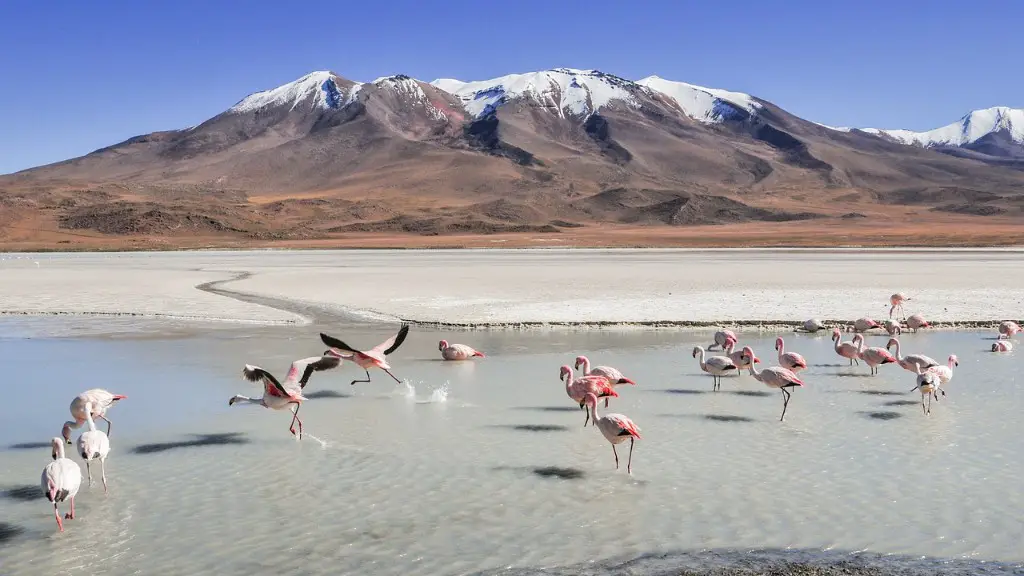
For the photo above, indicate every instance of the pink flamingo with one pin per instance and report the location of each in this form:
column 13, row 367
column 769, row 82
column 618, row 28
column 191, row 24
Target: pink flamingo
column 737, row 356
column 721, row 338
column 99, row 399
column 909, row 362
column 892, row 328
column 929, row 384
column 845, row 349
column 281, row 395
column 716, row 366
column 615, row 428
column 916, row 322
column 1002, row 346
column 897, row 301
column 874, row 356
column 457, row 351
column 1008, row 329
column 945, row 373
column 789, row 360
column 61, row 479
column 863, row 325
column 775, row 377
column 373, row 358
column 612, row 374
column 578, row 388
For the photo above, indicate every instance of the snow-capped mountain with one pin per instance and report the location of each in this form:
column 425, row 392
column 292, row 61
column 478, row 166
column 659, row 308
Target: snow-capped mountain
column 704, row 104
column 320, row 89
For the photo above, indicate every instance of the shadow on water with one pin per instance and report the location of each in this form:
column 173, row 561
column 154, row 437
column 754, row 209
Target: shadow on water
column 29, row 446
column 881, row 393
column 9, row 531
column 326, row 394
column 750, row 393
column 548, row 471
column 200, row 440
column 882, row 415
column 741, row 562
column 901, row 403
column 682, row 391
column 549, row 408
column 853, row 375
column 532, row 427
column 25, row 493
column 727, row 418
column 829, row 365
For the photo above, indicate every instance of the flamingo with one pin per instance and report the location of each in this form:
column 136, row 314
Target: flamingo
column 612, row 374
column 721, row 338
column 456, row 351
column 281, row 395
column 812, row 325
column 737, row 356
column 874, row 356
column 93, row 444
column 892, row 328
column 917, row 321
column 578, row 388
column 101, row 401
column 775, row 377
column 375, row 357
column 789, row 360
column 1002, row 346
column 945, row 373
column 908, row 362
column 845, row 349
column 615, row 428
column 60, row 481
column 897, row 301
column 929, row 384
column 1008, row 329
column 716, row 366
column 863, row 325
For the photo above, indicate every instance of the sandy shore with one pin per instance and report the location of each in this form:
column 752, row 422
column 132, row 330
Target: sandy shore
column 513, row 287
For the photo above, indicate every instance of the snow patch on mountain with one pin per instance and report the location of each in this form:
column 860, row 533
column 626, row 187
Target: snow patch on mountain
column 410, row 90
column 969, row 129
column 320, row 86
column 565, row 90
column 708, row 105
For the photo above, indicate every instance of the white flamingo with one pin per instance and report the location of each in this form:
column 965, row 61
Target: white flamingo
column 281, row 395
column 716, row 366
column 614, row 375
column 60, row 481
column 945, row 373
column 812, row 325
column 1008, row 329
column 101, row 401
column 775, row 377
column 891, row 328
column 863, row 325
column 845, row 349
column 789, row 360
column 457, row 351
column 615, row 428
column 909, row 362
column 93, row 444
column 1002, row 346
column 721, row 338
column 929, row 384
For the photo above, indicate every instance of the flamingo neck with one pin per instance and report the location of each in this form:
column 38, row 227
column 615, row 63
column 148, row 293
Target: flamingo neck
column 586, row 365
column 754, row 371
column 899, row 357
column 593, row 412
column 88, row 416
column 246, row 399
column 703, row 366
column 568, row 379
column 60, row 450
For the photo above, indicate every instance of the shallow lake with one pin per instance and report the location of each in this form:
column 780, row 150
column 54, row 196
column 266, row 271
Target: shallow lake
column 486, row 465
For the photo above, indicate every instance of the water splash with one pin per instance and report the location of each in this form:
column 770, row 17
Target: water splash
column 436, row 396
column 323, row 443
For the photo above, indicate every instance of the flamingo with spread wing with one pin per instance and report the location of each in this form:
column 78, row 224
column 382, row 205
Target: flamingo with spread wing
column 366, row 359
column 281, row 395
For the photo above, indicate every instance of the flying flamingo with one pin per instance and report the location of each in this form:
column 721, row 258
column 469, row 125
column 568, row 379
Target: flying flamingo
column 737, row 356
column 281, row 395
column 101, row 401
column 775, row 377
column 789, row 360
column 897, row 301
column 873, row 356
column 456, row 351
column 721, row 338
column 1002, row 346
column 612, row 374
column 863, row 325
column 911, row 360
column 945, row 373
column 615, row 428
column 375, row 357
column 60, row 481
column 917, row 321
column 93, row 444
column 845, row 349
column 716, row 366
column 929, row 384
column 578, row 388
column 1008, row 329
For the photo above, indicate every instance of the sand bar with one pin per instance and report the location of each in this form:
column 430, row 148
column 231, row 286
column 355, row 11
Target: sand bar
column 501, row 287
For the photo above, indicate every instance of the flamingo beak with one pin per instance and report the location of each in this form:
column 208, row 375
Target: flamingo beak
column 757, row 360
column 626, row 381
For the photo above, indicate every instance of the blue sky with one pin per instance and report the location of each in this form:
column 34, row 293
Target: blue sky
column 76, row 76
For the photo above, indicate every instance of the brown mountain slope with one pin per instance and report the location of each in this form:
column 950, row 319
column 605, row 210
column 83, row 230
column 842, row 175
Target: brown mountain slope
column 325, row 160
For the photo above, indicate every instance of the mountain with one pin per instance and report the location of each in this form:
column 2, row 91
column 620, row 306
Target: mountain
column 562, row 151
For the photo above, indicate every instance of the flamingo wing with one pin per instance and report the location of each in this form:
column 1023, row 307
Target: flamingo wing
column 797, row 359
column 391, row 344
column 337, row 344
column 606, row 371
column 270, row 384
column 309, row 365
column 787, row 375
column 626, row 426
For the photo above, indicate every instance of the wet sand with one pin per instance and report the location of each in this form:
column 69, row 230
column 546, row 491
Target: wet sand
column 519, row 288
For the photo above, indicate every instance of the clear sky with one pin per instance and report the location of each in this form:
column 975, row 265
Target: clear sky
column 77, row 76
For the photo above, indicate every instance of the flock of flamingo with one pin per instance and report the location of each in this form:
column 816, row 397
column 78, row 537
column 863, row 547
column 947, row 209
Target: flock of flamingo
column 62, row 477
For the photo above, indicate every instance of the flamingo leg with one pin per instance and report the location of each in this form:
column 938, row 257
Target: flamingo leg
column 295, row 418
column 103, row 474
column 56, row 514
column 88, row 470
column 606, row 402
column 785, row 403
column 389, row 374
column 107, row 420
column 614, row 451
column 71, row 515
column 367, row 378
column 629, row 464
column 588, row 417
